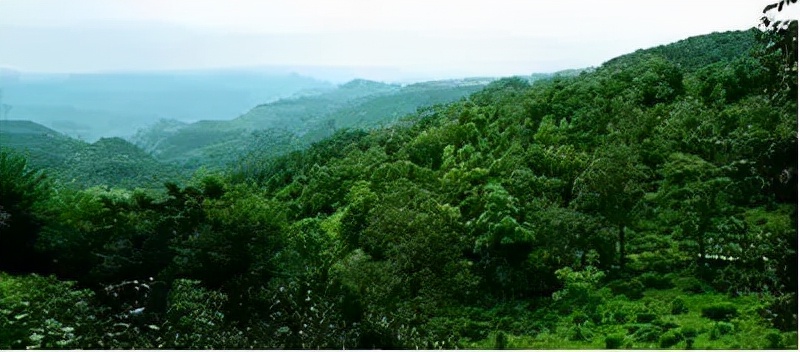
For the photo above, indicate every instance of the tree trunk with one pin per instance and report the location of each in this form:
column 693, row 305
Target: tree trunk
column 622, row 247
column 701, row 243
column 701, row 246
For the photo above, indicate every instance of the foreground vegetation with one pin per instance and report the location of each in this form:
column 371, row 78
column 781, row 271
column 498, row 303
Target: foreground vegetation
column 650, row 203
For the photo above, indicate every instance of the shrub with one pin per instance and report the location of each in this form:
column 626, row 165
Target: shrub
column 38, row 312
column 645, row 317
column 669, row 339
column 783, row 311
column 614, row 342
column 633, row 289
column 580, row 333
column 475, row 330
column 645, row 332
column 688, row 332
column 665, row 324
column 678, row 306
column 689, row 343
column 692, row 285
column 774, row 340
column 615, row 317
column 720, row 329
column 790, row 340
column 720, row 312
column 500, row 341
column 656, row 281
column 619, row 311
column 579, row 318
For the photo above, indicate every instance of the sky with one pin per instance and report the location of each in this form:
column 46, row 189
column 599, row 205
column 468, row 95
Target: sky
column 386, row 39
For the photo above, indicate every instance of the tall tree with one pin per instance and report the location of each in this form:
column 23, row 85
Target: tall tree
column 692, row 191
column 21, row 190
column 611, row 186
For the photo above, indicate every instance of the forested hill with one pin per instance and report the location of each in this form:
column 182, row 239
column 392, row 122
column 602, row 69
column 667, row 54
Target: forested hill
column 293, row 123
column 45, row 147
column 637, row 205
column 699, row 51
column 110, row 162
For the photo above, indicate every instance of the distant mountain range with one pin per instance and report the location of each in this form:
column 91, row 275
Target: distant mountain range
column 303, row 119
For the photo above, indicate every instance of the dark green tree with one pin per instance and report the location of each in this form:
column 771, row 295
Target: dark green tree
column 22, row 190
column 611, row 186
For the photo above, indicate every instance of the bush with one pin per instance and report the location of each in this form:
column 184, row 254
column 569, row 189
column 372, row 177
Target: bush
column 720, row 312
column 615, row 318
column 614, row 342
column 665, row 324
column 783, row 312
column 689, row 343
column 692, row 285
column 790, row 340
column 774, row 340
column 645, row 332
column 720, row 329
column 579, row 318
column 669, row 339
column 580, row 333
column 678, row 306
column 500, row 341
column 656, row 281
column 688, row 332
column 645, row 318
column 38, row 312
column 633, row 289
column 475, row 330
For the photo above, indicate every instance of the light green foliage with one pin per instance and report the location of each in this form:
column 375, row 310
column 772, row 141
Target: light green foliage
column 195, row 320
column 497, row 224
column 42, row 312
column 581, row 289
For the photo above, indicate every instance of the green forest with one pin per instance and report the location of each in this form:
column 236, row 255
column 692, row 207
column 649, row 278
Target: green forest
column 647, row 203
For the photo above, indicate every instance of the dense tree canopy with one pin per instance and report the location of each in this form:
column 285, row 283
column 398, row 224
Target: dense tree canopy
column 647, row 203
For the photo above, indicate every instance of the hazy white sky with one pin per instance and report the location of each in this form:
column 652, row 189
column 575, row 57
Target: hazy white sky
column 431, row 37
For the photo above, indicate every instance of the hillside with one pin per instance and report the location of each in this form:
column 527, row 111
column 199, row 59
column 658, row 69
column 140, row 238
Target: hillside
column 43, row 146
column 115, row 162
column 309, row 118
column 108, row 162
column 698, row 51
column 644, row 204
